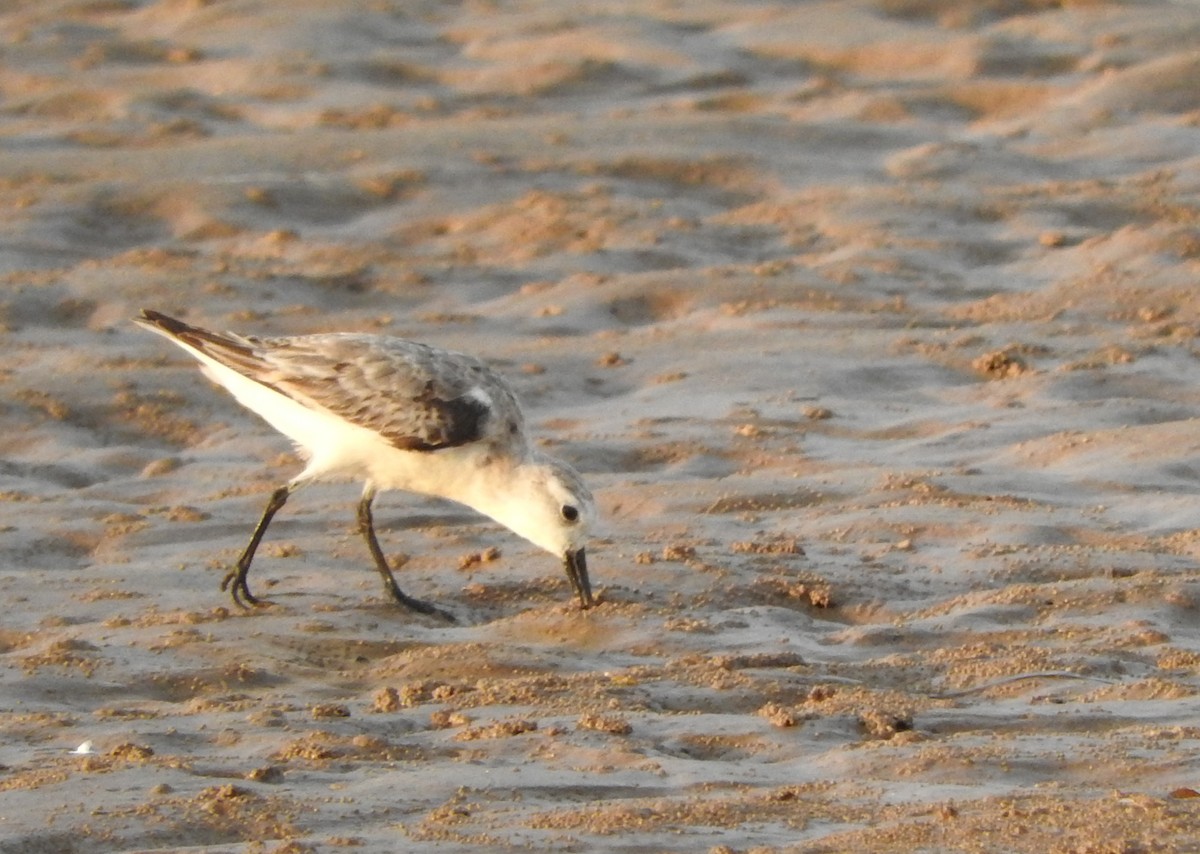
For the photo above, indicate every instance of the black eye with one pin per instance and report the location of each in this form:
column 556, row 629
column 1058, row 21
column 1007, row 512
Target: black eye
column 571, row 514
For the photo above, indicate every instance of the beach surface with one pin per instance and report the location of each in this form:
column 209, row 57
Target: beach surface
column 873, row 326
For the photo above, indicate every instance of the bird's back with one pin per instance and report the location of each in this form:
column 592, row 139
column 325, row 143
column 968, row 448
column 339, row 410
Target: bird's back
column 414, row 396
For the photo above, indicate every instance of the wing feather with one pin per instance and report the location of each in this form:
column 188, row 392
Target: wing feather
column 417, row 397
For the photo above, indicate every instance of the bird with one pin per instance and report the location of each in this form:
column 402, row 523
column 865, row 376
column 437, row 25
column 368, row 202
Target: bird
column 397, row 415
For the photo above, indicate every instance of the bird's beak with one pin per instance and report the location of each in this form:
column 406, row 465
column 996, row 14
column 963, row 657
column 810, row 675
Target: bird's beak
column 575, row 563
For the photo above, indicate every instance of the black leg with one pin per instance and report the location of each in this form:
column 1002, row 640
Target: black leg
column 366, row 525
column 235, row 579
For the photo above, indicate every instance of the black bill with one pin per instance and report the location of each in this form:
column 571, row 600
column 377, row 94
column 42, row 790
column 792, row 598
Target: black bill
column 575, row 563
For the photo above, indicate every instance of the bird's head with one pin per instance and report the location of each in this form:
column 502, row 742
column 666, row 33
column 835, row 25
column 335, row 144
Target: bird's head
column 549, row 505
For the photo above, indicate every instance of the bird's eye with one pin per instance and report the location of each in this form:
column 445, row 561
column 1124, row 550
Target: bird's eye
column 570, row 513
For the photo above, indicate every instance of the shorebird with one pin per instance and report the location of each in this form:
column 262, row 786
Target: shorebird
column 395, row 414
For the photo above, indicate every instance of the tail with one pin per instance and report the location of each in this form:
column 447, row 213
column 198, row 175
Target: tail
column 227, row 348
column 186, row 334
column 158, row 322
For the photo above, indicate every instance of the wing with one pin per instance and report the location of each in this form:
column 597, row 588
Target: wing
column 417, row 397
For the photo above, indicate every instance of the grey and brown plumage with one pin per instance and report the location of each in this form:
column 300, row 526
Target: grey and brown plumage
column 396, row 414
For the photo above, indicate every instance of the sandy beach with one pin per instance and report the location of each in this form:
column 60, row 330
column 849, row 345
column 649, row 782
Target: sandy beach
column 873, row 326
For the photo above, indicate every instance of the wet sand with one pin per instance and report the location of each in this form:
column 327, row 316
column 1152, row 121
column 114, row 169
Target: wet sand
column 871, row 324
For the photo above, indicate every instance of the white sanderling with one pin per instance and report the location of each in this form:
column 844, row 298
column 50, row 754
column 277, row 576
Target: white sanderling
column 397, row 415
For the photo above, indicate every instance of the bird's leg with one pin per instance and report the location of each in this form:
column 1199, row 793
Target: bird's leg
column 366, row 526
column 235, row 579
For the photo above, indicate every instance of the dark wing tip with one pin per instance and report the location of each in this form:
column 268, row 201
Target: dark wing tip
column 227, row 348
column 158, row 320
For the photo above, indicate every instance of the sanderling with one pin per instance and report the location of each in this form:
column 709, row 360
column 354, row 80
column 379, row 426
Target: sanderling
column 397, row 415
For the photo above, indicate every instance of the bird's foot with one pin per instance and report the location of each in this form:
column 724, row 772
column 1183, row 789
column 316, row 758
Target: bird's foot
column 418, row 605
column 235, row 583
